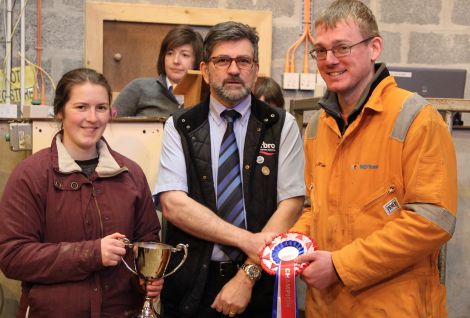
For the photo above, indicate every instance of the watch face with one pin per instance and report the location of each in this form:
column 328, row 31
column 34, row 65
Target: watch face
column 253, row 271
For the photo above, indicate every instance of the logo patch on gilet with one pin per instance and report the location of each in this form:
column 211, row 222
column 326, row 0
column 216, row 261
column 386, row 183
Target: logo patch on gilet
column 267, row 149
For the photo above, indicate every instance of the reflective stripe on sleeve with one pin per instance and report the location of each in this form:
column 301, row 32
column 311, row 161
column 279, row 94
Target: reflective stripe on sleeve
column 436, row 214
column 407, row 114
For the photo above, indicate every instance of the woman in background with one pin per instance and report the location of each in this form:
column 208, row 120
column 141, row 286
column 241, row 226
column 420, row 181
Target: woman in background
column 181, row 50
column 66, row 208
column 269, row 91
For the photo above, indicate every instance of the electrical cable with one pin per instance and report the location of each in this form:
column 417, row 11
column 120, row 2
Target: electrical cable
column 12, row 33
column 41, row 70
column 38, row 67
column 18, row 21
column 4, row 24
column 42, row 94
column 306, row 37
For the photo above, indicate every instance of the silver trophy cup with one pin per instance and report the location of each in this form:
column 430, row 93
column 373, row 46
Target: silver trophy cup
column 150, row 263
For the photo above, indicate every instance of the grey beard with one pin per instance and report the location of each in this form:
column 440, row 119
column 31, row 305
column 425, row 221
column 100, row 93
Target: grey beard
column 231, row 97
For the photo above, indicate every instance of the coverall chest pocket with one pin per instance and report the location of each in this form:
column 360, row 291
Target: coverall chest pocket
column 380, row 208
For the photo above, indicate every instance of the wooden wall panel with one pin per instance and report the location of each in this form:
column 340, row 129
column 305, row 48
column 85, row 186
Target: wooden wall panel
column 98, row 14
column 137, row 44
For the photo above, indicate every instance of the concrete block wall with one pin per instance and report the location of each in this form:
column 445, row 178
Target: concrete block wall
column 420, row 33
column 62, row 37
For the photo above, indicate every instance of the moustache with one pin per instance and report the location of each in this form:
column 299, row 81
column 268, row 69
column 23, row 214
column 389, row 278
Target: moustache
column 232, row 80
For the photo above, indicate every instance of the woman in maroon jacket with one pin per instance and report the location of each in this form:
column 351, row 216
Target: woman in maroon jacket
column 65, row 209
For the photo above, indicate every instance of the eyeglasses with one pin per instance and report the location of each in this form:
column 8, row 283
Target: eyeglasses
column 224, row 62
column 338, row 51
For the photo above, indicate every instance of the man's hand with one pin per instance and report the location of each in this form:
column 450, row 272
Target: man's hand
column 234, row 296
column 112, row 249
column 254, row 243
column 320, row 273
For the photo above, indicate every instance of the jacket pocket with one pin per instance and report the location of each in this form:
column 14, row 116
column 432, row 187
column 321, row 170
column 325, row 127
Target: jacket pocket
column 380, row 208
column 379, row 196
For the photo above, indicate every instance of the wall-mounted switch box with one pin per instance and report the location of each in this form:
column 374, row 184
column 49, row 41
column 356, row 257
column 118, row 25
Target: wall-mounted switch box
column 307, row 81
column 290, row 81
column 21, row 136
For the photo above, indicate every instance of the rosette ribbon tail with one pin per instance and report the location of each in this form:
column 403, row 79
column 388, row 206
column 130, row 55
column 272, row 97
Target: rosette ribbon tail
column 285, row 298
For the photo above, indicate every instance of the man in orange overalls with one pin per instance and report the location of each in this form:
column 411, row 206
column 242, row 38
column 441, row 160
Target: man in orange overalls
column 381, row 174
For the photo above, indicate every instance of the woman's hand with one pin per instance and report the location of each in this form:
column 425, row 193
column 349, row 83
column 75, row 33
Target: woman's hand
column 112, row 249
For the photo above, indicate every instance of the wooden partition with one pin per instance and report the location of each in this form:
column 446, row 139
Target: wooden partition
column 137, row 138
column 193, row 87
column 99, row 15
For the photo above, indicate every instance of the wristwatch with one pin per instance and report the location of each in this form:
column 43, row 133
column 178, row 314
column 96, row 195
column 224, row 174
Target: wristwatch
column 253, row 271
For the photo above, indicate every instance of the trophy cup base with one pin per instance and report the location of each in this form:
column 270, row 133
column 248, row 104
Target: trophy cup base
column 147, row 311
column 151, row 315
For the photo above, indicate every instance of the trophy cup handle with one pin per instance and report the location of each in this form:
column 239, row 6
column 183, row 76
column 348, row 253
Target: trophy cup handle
column 178, row 248
column 129, row 245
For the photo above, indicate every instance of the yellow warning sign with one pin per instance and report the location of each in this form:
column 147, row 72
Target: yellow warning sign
column 15, row 91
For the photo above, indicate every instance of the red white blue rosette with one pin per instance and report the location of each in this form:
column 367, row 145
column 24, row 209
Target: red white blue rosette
column 277, row 259
column 286, row 247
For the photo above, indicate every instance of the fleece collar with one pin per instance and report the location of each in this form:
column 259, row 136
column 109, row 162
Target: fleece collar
column 107, row 165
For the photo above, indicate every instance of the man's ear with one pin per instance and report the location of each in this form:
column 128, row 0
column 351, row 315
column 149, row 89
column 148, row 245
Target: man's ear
column 205, row 72
column 376, row 47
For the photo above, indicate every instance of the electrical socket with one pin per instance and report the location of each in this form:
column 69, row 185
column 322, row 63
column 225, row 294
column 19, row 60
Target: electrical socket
column 8, row 111
column 307, row 81
column 290, row 81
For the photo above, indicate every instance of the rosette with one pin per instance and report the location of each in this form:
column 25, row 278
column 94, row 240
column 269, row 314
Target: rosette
column 277, row 258
column 286, row 247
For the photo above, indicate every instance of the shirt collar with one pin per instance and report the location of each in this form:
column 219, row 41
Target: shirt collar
column 169, row 84
column 216, row 108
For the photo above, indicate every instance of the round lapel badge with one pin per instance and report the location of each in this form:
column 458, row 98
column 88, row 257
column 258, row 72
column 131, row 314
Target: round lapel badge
column 265, row 170
column 260, row 159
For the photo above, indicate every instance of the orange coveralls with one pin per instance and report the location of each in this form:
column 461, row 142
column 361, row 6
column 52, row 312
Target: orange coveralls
column 384, row 200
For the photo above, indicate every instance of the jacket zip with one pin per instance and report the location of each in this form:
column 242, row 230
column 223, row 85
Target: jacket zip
column 99, row 210
column 391, row 189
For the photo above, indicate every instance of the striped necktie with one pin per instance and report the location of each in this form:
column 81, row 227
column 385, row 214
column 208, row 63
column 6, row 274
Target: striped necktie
column 229, row 185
